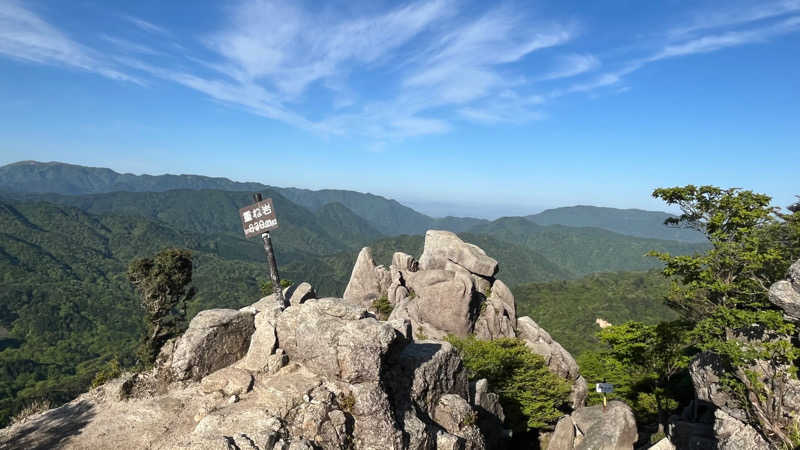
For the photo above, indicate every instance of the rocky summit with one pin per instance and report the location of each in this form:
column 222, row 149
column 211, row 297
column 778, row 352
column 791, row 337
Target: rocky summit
column 326, row 373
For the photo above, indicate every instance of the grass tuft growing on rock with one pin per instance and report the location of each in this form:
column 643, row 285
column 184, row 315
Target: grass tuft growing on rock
column 382, row 307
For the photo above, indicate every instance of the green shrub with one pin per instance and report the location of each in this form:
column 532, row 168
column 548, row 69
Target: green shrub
column 109, row 372
column 266, row 286
column 162, row 283
column 532, row 396
column 382, row 306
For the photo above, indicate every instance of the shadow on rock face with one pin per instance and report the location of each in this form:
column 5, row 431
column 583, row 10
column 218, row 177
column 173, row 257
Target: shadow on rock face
column 418, row 377
column 51, row 429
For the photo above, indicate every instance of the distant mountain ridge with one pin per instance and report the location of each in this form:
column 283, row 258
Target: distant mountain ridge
column 387, row 216
column 631, row 222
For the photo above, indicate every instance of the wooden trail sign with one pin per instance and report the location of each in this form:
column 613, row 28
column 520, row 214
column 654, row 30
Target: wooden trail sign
column 605, row 388
column 259, row 219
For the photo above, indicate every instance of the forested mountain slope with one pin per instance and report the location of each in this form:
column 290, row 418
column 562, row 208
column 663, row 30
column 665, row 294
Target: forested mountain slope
column 569, row 309
column 384, row 215
column 631, row 222
column 583, row 250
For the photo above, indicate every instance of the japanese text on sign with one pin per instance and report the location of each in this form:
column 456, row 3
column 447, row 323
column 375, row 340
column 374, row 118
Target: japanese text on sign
column 605, row 388
column 258, row 218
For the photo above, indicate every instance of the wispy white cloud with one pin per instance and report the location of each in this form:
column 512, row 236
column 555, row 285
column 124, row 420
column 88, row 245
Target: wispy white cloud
column 300, row 49
column 466, row 63
column 428, row 65
column 145, row 25
column 129, row 46
column 572, row 65
column 704, row 44
column 455, row 60
column 26, row 36
column 507, row 107
column 730, row 14
column 716, row 42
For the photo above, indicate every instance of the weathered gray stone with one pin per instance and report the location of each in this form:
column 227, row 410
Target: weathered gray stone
column 557, row 358
column 494, row 321
column 447, row 441
column 490, row 414
column 705, row 372
column 539, row 341
column 563, row 437
column 375, row 424
column 443, row 246
column 663, row 444
column 300, row 293
column 503, row 293
column 457, row 417
column 488, row 401
column 276, row 361
column 396, row 293
column 612, row 429
column 336, row 339
column 732, row 434
column 262, row 343
column 402, row 326
column 783, row 295
column 794, row 275
column 403, row 261
column 424, row 371
column 579, row 392
column 442, row 300
column 215, row 339
column 367, row 282
column 267, row 303
column 229, row 380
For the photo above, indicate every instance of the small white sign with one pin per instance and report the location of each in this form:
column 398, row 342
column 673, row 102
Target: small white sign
column 604, row 388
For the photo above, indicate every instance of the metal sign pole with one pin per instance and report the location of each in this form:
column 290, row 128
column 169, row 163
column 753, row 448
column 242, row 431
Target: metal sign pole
column 273, row 266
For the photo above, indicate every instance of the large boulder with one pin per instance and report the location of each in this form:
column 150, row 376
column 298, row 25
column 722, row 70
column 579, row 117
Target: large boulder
column 367, row 282
column 490, row 413
column 404, row 262
column 419, row 376
column 264, row 341
column 441, row 299
column 612, row 428
column 456, row 416
column 733, row 434
column 557, row 358
column 215, row 339
column 706, row 371
column 443, row 246
column 424, row 371
column 299, row 293
column 335, row 339
column 785, row 296
column 497, row 318
column 563, row 437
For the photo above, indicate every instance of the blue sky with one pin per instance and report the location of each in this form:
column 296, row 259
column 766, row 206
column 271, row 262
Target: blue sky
column 456, row 106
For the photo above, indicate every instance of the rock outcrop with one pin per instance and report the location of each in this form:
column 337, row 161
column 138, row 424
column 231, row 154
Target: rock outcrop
column 216, row 338
column 558, row 359
column 442, row 247
column 785, row 294
column 593, row 428
column 326, row 373
column 367, row 282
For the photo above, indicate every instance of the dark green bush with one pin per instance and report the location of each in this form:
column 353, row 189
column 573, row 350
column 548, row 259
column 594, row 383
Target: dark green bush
column 532, row 396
